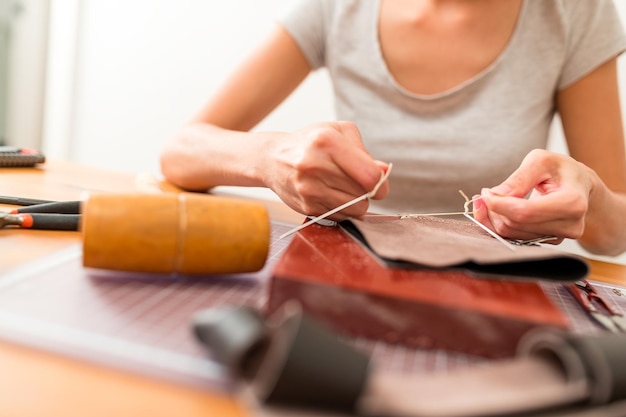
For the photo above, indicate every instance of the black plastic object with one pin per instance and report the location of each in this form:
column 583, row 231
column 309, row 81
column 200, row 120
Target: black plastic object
column 309, row 366
column 22, row 201
column 293, row 360
column 50, row 221
column 49, row 215
column 11, row 156
column 601, row 359
column 236, row 337
column 59, row 207
column 604, row 357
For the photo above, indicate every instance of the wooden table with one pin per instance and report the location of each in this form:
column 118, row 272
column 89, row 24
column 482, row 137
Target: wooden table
column 36, row 383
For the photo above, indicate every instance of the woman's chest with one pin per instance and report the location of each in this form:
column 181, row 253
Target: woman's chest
column 430, row 50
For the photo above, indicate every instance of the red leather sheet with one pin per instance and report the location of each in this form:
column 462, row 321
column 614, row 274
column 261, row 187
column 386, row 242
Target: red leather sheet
column 337, row 280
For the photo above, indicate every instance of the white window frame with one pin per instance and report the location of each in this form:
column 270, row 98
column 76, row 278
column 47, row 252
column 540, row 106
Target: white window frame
column 26, row 71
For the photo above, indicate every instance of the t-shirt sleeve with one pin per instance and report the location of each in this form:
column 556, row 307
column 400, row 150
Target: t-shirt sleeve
column 596, row 35
column 305, row 22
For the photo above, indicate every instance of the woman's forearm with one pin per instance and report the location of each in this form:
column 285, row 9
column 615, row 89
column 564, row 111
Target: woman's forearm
column 203, row 156
column 605, row 222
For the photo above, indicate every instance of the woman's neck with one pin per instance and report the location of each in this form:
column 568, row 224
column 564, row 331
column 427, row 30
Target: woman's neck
column 431, row 46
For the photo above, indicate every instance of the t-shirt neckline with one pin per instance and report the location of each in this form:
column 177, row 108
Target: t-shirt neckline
column 457, row 88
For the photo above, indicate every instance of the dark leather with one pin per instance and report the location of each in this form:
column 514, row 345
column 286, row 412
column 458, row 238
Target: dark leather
column 433, row 242
column 237, row 337
column 304, row 366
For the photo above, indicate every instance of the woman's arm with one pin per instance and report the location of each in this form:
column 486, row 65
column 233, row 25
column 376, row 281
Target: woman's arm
column 581, row 197
column 312, row 170
column 204, row 153
column 592, row 122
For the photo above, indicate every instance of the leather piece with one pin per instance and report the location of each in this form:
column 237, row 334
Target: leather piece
column 617, row 409
column 434, row 242
column 338, row 281
column 308, row 365
column 508, row 387
column 604, row 357
column 238, row 337
column 288, row 359
column 307, row 369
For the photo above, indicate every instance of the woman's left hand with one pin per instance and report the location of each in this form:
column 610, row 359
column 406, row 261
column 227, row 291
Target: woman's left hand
column 548, row 195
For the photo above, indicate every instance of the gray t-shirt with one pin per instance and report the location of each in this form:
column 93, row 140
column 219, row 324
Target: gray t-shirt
column 475, row 134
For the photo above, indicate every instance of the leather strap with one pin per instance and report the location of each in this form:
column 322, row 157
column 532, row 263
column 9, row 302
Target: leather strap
column 301, row 364
column 604, row 358
column 547, row 374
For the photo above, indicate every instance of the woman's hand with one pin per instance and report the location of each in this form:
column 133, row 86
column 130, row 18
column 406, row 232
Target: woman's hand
column 318, row 168
column 548, row 195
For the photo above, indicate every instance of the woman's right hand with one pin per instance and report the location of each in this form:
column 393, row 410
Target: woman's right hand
column 316, row 169
column 312, row 170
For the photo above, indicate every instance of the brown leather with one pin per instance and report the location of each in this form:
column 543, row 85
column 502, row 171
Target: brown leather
column 506, row 387
column 436, row 242
column 337, row 280
column 67, row 387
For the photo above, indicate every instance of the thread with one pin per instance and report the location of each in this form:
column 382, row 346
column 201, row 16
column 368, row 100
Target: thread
column 466, row 212
column 365, row 196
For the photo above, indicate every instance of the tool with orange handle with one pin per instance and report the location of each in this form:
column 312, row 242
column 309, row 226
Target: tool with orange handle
column 51, row 215
column 184, row 233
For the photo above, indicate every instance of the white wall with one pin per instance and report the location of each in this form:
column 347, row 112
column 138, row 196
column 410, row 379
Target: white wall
column 145, row 66
column 26, row 72
column 124, row 75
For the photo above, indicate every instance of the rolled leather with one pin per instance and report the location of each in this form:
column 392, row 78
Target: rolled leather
column 307, row 367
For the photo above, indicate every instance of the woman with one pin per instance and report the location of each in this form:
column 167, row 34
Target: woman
column 458, row 94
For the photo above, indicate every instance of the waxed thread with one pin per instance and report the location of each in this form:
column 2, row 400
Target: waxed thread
column 383, row 178
column 469, row 214
column 466, row 212
column 511, row 244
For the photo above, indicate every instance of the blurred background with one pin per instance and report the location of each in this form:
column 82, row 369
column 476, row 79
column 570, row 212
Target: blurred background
column 106, row 82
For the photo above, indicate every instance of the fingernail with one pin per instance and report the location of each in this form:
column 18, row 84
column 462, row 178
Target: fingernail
column 477, row 202
column 502, row 189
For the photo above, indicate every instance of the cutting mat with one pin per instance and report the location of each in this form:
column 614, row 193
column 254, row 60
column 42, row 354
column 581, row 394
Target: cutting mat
column 142, row 322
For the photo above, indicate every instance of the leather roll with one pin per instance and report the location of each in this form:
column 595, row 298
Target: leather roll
column 237, row 337
column 604, row 357
column 294, row 361
column 307, row 365
column 601, row 359
column 181, row 233
column 304, row 365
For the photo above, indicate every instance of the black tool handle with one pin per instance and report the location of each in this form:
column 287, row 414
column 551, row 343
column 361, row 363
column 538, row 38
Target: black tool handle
column 298, row 361
column 22, row 201
column 236, row 335
column 49, row 221
column 65, row 207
